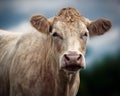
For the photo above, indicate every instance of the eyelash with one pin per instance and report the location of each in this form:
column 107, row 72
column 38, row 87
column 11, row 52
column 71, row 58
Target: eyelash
column 55, row 34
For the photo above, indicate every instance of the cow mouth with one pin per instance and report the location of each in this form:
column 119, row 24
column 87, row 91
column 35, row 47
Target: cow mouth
column 72, row 67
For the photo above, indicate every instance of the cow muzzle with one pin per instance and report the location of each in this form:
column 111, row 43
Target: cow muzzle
column 72, row 61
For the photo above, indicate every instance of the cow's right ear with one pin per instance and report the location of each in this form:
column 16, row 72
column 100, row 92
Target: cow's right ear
column 40, row 23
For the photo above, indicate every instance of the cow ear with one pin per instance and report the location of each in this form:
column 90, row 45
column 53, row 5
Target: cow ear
column 40, row 23
column 99, row 27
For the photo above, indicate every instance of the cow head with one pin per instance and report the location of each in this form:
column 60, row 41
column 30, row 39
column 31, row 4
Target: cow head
column 69, row 32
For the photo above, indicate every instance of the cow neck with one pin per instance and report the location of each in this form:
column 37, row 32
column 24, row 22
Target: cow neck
column 65, row 82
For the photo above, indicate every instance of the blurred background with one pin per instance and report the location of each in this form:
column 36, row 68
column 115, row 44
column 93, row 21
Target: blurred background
column 102, row 75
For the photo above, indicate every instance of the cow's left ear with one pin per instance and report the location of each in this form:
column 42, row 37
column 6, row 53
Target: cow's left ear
column 99, row 27
column 40, row 23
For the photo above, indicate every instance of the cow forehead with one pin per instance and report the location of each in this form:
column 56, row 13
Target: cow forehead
column 77, row 26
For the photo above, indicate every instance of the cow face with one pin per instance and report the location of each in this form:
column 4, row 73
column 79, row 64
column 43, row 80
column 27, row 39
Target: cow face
column 70, row 42
column 69, row 32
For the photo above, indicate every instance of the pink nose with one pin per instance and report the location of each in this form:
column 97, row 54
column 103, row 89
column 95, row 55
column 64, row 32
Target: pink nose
column 73, row 61
column 72, row 57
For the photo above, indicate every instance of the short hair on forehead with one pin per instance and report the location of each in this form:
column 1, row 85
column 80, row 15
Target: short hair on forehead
column 68, row 15
column 68, row 12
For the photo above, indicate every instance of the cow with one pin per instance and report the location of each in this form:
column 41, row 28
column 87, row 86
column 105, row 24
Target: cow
column 46, row 60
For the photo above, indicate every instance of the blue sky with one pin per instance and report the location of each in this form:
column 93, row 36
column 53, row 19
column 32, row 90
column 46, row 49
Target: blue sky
column 15, row 15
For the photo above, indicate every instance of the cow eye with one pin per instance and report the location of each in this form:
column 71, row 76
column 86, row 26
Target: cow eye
column 55, row 34
column 84, row 35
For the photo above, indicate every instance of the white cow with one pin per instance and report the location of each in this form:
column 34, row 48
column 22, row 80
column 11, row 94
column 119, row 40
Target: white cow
column 46, row 62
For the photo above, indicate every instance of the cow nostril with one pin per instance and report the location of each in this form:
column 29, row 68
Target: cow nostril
column 79, row 57
column 66, row 57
